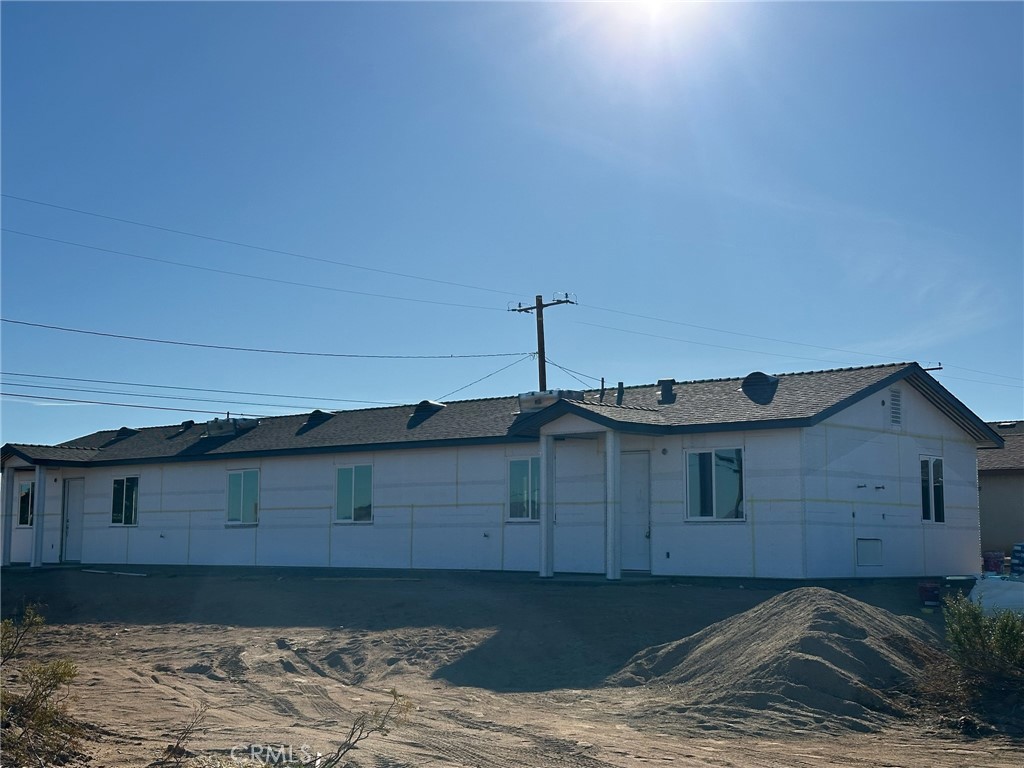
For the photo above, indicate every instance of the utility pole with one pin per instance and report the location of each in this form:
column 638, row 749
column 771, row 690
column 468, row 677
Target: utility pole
column 539, row 307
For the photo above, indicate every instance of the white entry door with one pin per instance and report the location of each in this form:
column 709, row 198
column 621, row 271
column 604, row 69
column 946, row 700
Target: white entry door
column 74, row 507
column 635, row 512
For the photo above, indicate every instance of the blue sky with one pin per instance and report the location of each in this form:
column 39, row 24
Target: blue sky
column 723, row 187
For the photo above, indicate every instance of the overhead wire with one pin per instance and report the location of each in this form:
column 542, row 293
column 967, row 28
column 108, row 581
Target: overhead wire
column 261, row 278
column 394, row 273
column 566, row 370
column 482, row 378
column 88, row 390
column 120, row 405
column 196, row 389
column 240, row 244
column 257, row 349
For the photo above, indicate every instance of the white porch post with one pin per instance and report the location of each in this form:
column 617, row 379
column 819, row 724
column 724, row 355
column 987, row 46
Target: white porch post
column 8, row 514
column 547, row 506
column 38, row 512
column 613, row 475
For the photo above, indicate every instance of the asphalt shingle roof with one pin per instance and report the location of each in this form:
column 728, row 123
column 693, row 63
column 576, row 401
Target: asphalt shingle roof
column 790, row 400
column 1011, row 455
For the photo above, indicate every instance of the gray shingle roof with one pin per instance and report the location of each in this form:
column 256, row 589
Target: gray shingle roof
column 1011, row 455
column 795, row 399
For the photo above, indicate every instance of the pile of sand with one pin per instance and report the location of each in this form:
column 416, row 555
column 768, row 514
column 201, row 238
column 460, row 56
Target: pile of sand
column 810, row 657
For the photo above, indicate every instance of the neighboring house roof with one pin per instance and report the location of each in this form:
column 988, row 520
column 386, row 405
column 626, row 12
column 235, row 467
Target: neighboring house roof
column 757, row 402
column 1011, row 456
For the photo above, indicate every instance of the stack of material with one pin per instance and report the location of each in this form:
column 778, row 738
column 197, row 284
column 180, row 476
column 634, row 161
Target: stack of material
column 1017, row 560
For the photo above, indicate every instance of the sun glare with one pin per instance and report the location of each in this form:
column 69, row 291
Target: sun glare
column 643, row 33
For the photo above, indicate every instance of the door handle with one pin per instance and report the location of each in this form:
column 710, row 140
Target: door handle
column 648, row 534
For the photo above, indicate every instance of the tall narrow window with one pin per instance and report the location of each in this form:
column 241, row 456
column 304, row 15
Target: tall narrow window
column 125, row 504
column 26, row 501
column 714, row 484
column 355, row 494
column 243, row 496
column 933, row 501
column 524, row 489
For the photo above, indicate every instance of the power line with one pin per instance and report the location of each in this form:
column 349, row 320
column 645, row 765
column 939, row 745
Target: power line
column 495, row 373
column 571, row 373
column 255, row 349
column 198, row 389
column 88, row 390
column 262, row 278
column 706, row 344
column 775, row 340
column 240, row 244
column 119, row 405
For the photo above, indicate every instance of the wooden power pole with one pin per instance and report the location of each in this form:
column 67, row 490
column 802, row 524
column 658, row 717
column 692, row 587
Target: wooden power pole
column 539, row 307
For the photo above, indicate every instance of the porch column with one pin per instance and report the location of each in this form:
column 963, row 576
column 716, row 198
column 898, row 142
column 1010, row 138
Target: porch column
column 8, row 514
column 38, row 512
column 612, row 501
column 547, row 506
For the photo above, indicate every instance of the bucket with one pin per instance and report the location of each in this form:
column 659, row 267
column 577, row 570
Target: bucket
column 992, row 562
column 928, row 591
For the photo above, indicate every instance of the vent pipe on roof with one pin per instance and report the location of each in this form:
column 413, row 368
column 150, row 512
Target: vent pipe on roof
column 619, row 393
column 667, row 396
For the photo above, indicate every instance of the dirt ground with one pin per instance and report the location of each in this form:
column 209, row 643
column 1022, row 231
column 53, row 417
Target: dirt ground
column 501, row 669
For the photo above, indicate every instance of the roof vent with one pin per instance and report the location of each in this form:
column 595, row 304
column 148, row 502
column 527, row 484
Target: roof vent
column 667, row 395
column 127, row 432
column 314, row 420
column 530, row 402
column 429, row 406
column 760, row 387
column 182, row 429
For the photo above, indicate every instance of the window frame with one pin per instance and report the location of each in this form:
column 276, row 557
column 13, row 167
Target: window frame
column 933, row 494
column 714, row 486
column 31, row 503
column 113, row 499
column 532, row 502
column 242, row 521
column 354, row 491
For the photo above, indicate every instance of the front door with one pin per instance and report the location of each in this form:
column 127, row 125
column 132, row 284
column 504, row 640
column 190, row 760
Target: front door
column 635, row 514
column 74, row 507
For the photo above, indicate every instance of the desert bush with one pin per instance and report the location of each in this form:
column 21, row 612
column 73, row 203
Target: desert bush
column 36, row 728
column 984, row 643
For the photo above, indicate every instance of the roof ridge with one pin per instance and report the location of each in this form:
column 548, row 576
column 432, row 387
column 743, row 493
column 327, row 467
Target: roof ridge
column 43, row 445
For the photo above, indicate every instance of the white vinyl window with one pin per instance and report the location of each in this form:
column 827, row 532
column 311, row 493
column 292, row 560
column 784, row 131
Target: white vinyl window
column 26, row 502
column 524, row 489
column 243, row 496
column 714, row 484
column 124, row 506
column 354, row 503
column 933, row 501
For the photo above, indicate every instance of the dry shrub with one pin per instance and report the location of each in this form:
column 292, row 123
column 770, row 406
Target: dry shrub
column 36, row 728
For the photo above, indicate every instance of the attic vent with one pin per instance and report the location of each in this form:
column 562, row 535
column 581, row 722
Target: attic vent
column 760, row 387
column 317, row 417
column 185, row 427
column 895, row 408
column 667, row 396
column 429, row 406
column 127, row 432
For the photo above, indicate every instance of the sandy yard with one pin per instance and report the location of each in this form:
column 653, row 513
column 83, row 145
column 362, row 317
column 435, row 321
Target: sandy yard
column 501, row 670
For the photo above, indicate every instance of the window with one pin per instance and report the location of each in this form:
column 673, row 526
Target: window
column 714, row 484
column 354, row 494
column 524, row 489
column 26, row 502
column 243, row 496
column 124, row 508
column 933, row 503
